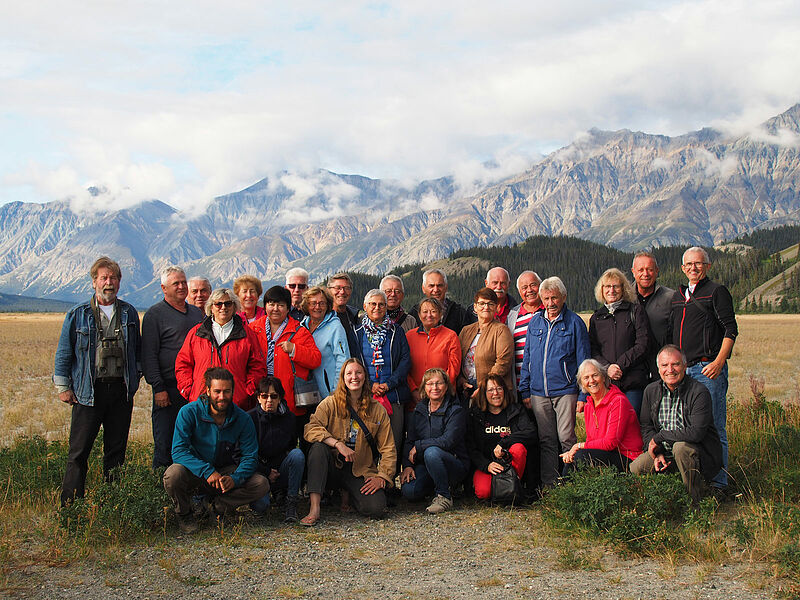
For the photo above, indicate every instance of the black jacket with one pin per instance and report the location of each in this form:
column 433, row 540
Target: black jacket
column 445, row 428
column 350, row 322
column 623, row 339
column 698, row 419
column 658, row 307
column 480, row 445
column 700, row 324
column 276, row 436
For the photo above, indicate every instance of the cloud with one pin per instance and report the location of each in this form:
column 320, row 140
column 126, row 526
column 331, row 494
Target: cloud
column 194, row 100
column 716, row 167
column 660, row 163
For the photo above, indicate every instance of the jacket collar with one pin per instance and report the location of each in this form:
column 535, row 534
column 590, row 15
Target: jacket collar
column 205, row 331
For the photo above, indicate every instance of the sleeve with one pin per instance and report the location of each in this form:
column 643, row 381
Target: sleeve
column 65, row 353
column 455, row 430
column 723, row 309
column 256, row 363
column 612, row 438
column 248, row 445
column 646, row 425
column 151, row 346
column 582, row 350
column 341, row 350
column 316, row 428
column 698, row 419
column 306, row 353
column 411, row 438
column 453, row 358
column 478, row 459
column 403, row 365
column 504, row 351
column 524, row 432
column 595, row 347
column 641, row 342
column 182, row 451
column 524, row 372
column 138, row 344
column 184, row 365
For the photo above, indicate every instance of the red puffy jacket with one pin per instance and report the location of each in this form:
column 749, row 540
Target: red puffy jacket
column 306, row 355
column 240, row 353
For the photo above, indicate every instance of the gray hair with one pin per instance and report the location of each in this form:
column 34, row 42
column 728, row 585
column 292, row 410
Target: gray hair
column 431, row 300
column 297, row 272
column 553, row 283
column 644, row 254
column 672, row 348
column 534, row 273
column 374, row 292
column 341, row 275
column 218, row 294
column 488, row 273
column 706, row 258
column 201, row 279
column 169, row 270
column 627, row 289
column 434, row 271
column 393, row 278
column 590, row 362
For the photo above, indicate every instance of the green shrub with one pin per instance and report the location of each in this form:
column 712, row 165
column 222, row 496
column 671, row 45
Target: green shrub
column 632, row 513
column 31, row 469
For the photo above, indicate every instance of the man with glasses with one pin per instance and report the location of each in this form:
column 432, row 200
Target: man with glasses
column 340, row 285
column 296, row 283
column 704, row 328
column 392, row 286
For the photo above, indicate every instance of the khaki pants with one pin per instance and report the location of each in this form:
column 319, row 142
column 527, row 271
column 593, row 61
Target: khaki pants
column 180, row 483
column 686, row 460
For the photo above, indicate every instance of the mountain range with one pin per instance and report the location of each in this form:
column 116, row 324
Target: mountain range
column 626, row 189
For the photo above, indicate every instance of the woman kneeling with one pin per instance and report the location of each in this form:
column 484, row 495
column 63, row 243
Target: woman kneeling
column 613, row 437
column 341, row 448
column 435, row 453
column 498, row 430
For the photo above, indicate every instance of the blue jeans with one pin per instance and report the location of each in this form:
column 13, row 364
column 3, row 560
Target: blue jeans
column 635, row 398
column 718, row 389
column 291, row 473
column 438, row 470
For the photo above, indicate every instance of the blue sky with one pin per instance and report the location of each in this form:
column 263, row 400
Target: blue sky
column 183, row 101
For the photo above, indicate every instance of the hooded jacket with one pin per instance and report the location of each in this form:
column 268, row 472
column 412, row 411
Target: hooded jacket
column 445, row 428
column 331, row 340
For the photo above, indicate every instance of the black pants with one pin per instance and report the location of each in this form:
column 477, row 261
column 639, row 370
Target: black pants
column 600, row 458
column 112, row 410
column 164, row 418
column 321, row 465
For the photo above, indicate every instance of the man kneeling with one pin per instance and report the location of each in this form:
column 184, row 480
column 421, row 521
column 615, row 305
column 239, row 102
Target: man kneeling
column 207, row 432
column 678, row 425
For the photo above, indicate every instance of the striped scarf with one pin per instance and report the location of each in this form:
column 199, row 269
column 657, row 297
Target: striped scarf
column 376, row 336
column 271, row 339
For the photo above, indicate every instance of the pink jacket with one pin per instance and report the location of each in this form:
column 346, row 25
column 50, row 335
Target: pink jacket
column 613, row 424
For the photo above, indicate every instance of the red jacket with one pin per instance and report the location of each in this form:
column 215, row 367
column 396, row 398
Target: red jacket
column 439, row 348
column 240, row 354
column 613, row 424
column 306, row 355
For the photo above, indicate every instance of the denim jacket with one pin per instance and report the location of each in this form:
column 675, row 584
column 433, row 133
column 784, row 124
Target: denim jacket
column 77, row 350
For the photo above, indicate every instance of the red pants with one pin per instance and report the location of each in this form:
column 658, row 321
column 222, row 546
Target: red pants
column 482, row 481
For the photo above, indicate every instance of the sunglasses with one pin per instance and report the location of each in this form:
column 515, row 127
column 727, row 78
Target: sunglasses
column 225, row 304
column 296, row 286
column 272, row 396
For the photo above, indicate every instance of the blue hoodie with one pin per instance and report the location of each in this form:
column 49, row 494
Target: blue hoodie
column 331, row 339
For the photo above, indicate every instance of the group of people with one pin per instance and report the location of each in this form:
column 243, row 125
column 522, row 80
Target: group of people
column 252, row 399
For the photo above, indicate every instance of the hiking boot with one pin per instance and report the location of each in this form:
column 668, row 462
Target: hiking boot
column 187, row 523
column 440, row 504
column 291, row 509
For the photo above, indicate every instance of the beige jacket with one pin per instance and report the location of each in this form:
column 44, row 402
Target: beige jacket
column 325, row 423
column 494, row 353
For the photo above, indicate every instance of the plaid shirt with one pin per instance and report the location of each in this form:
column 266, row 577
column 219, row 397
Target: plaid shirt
column 670, row 412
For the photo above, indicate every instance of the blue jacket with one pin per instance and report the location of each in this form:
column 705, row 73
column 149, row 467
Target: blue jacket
column 202, row 447
column 553, row 352
column 331, row 339
column 445, row 428
column 77, row 350
column 397, row 363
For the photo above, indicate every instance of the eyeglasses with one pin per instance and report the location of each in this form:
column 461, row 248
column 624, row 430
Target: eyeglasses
column 272, row 396
column 612, row 286
column 696, row 265
column 485, row 304
column 340, row 288
column 376, row 304
column 391, row 292
column 225, row 304
column 434, row 383
column 494, row 390
column 297, row 286
column 318, row 304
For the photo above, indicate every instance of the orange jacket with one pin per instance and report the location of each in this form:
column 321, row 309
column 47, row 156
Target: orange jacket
column 439, row 348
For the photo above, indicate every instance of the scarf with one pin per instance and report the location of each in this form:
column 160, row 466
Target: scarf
column 376, row 336
column 271, row 339
column 613, row 306
column 396, row 314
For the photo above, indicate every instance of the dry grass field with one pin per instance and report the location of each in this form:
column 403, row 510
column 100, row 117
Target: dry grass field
column 768, row 347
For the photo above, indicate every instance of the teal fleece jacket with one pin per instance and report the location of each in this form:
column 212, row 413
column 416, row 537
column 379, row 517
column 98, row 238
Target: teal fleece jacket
column 203, row 447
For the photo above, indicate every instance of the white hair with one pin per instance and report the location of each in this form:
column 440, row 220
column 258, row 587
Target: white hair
column 202, row 280
column 393, row 278
column 297, row 272
column 706, row 258
column 553, row 283
column 374, row 292
column 169, row 270
column 534, row 273
column 489, row 272
column 431, row 272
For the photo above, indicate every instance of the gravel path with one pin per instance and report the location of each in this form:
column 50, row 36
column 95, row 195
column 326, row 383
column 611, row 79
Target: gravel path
column 472, row 552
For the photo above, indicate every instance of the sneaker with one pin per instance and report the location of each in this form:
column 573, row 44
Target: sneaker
column 440, row 504
column 291, row 509
column 187, row 523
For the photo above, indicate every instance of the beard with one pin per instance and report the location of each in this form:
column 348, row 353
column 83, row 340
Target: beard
column 107, row 295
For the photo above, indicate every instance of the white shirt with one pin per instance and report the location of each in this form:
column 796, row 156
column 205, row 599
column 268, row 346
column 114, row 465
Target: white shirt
column 221, row 332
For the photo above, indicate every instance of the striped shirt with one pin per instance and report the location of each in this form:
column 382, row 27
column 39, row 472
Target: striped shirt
column 520, row 331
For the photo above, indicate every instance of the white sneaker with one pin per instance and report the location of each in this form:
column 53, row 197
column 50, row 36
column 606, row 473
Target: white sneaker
column 440, row 504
